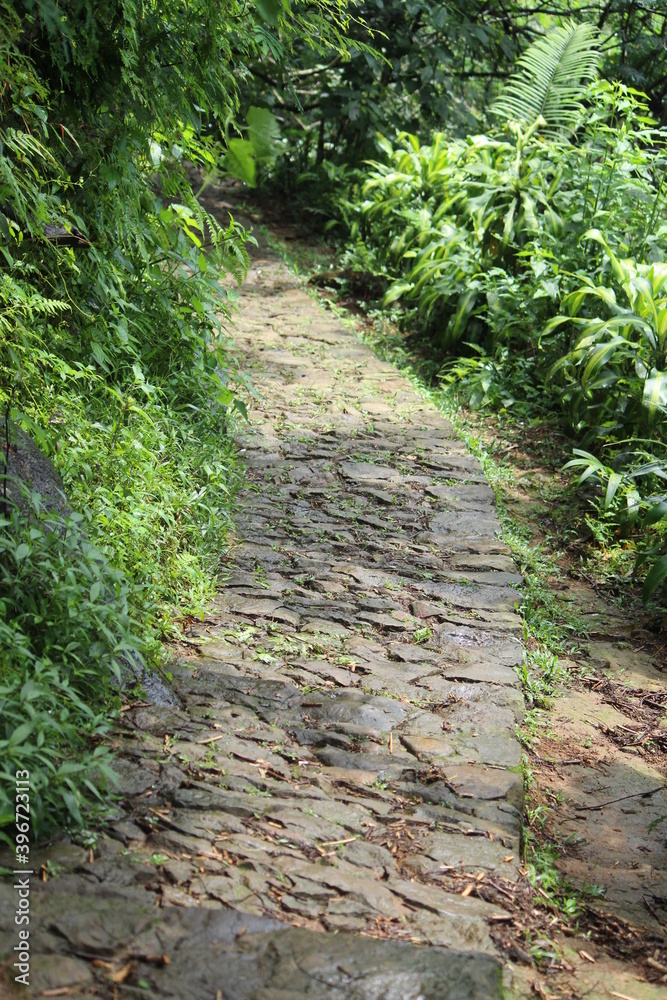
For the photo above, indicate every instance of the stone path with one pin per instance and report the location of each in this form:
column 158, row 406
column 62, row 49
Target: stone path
column 342, row 755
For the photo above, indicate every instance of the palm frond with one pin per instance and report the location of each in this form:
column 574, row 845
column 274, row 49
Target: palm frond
column 551, row 78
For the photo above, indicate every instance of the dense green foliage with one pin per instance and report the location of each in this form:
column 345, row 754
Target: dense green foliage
column 521, row 231
column 64, row 633
column 113, row 354
column 437, row 66
column 110, row 357
column 533, row 250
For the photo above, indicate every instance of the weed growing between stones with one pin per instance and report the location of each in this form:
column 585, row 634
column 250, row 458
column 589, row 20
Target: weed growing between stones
column 541, row 866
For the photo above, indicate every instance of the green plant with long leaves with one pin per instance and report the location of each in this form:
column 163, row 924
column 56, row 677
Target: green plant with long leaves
column 615, row 380
column 633, row 484
column 617, row 363
column 65, row 632
column 451, row 216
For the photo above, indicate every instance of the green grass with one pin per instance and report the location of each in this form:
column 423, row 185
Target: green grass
column 160, row 484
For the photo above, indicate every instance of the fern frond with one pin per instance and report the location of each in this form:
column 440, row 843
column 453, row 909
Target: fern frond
column 551, row 78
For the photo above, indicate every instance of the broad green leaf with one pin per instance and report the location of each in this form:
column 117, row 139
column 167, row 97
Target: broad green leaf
column 21, row 733
column 615, row 481
column 655, row 393
column 239, row 161
column 263, row 133
column 73, row 806
column 269, row 10
column 30, row 690
column 464, row 308
column 655, row 513
column 599, row 357
column 656, row 575
column 98, row 353
column 241, row 408
column 397, row 291
column 22, row 552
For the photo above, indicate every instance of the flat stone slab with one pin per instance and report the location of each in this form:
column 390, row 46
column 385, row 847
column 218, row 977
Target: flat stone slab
column 191, row 952
column 483, row 673
column 359, row 708
column 428, row 746
column 486, row 783
column 413, row 654
column 364, row 472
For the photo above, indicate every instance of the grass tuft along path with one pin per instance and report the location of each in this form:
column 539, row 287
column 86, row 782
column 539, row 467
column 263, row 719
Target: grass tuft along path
column 339, row 781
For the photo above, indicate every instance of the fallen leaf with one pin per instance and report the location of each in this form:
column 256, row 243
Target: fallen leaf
column 468, row 889
column 120, row 975
column 589, row 958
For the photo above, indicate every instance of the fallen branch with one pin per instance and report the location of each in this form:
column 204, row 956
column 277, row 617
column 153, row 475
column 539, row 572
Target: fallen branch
column 622, row 798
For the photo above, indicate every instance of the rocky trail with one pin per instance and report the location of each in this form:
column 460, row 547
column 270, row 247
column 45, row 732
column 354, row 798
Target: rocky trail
column 336, row 780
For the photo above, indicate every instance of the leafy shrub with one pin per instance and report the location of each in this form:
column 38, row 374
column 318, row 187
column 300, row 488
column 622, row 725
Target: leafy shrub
column 110, row 336
column 65, row 630
column 467, row 230
column 616, row 392
column 485, row 241
column 615, row 369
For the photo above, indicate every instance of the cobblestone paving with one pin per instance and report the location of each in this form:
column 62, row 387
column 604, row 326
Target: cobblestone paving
column 344, row 732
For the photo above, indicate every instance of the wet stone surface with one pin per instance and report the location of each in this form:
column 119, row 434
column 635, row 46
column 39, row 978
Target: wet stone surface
column 345, row 723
